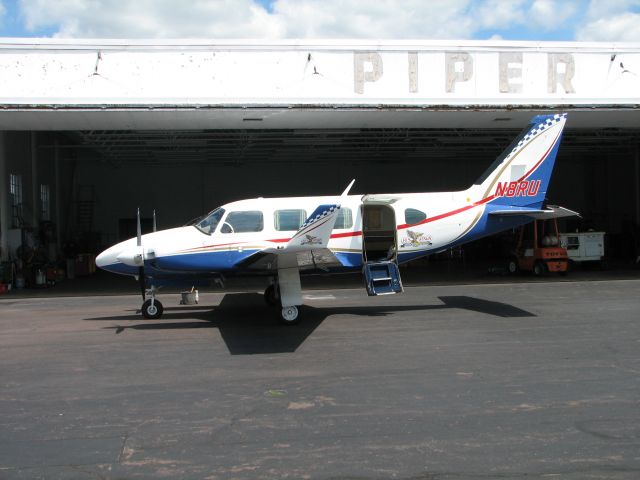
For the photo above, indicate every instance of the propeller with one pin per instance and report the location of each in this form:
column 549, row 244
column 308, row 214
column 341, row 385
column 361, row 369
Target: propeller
column 139, row 244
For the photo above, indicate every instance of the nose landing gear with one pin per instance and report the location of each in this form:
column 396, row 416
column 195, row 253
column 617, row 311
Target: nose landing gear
column 151, row 308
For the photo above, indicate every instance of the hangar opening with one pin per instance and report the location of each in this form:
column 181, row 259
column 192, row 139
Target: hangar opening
column 74, row 172
column 105, row 175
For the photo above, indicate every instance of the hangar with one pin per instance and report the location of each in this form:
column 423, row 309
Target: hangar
column 90, row 130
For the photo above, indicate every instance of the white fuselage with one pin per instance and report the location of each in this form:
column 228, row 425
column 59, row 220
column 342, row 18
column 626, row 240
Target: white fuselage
column 423, row 222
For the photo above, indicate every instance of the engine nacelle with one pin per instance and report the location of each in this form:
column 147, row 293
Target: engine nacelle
column 134, row 257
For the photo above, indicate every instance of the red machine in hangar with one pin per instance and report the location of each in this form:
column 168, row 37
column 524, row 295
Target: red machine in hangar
column 538, row 249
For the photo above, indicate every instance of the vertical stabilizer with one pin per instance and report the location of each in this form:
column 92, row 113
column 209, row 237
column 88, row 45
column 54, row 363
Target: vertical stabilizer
column 520, row 175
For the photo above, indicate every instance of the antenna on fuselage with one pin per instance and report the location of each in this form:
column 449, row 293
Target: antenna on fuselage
column 155, row 227
column 346, row 190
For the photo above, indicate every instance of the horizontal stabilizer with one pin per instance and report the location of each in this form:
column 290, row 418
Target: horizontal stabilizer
column 551, row 211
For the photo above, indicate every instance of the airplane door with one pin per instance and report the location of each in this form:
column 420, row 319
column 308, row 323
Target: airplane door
column 379, row 234
column 380, row 247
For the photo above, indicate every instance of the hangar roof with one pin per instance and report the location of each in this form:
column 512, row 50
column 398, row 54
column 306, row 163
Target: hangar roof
column 89, row 85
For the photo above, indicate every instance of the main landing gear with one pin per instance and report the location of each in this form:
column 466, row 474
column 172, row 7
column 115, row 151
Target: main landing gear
column 289, row 314
column 272, row 295
column 151, row 308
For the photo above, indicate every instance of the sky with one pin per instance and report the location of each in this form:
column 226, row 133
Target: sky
column 536, row 20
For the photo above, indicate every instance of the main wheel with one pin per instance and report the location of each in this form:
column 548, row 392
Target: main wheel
column 289, row 315
column 539, row 268
column 270, row 295
column 152, row 311
column 512, row 266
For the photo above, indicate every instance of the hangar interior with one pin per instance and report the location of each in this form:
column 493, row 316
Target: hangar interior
column 90, row 130
column 94, row 180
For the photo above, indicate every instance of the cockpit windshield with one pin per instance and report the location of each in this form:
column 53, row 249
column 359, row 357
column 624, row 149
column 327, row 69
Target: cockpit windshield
column 210, row 222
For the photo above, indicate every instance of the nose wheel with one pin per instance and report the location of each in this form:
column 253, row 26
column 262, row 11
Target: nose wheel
column 152, row 308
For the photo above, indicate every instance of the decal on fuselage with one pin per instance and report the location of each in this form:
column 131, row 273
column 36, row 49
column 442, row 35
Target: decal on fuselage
column 311, row 240
column 416, row 239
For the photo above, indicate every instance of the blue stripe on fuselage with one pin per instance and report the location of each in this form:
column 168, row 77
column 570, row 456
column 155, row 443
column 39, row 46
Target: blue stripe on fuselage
column 202, row 262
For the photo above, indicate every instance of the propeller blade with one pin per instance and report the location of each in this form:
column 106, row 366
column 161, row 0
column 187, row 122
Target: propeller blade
column 140, row 268
column 141, row 282
column 139, row 228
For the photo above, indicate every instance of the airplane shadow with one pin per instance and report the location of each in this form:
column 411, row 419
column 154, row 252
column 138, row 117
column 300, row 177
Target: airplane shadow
column 246, row 330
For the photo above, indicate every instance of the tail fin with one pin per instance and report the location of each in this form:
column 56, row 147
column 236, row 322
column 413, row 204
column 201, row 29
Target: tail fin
column 520, row 175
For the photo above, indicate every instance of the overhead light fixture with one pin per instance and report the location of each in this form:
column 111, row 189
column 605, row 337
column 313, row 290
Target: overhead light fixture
column 502, row 119
column 250, row 119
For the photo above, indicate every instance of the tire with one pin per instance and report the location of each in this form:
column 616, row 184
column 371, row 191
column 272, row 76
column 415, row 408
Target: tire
column 512, row 266
column 290, row 315
column 270, row 296
column 539, row 268
column 152, row 312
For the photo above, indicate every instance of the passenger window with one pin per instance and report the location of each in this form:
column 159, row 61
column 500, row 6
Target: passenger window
column 242, row 222
column 413, row 216
column 288, row 220
column 345, row 218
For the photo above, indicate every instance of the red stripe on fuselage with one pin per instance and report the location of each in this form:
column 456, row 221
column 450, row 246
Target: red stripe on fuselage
column 407, row 225
column 484, row 200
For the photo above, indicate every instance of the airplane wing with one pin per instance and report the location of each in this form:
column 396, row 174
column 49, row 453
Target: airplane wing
column 308, row 246
column 315, row 231
column 551, row 211
column 321, row 259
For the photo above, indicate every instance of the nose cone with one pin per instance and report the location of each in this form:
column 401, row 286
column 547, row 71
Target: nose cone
column 108, row 257
column 108, row 260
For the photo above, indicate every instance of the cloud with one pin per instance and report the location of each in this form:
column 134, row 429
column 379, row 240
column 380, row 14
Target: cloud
column 619, row 28
column 551, row 14
column 382, row 19
column 498, row 13
column 3, row 12
column 379, row 19
column 613, row 21
column 601, row 9
column 151, row 18
column 249, row 19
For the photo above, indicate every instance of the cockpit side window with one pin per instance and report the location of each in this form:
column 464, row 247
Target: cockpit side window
column 243, row 222
column 210, row 222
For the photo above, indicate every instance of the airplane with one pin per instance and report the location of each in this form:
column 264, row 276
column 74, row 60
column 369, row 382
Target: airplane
column 373, row 233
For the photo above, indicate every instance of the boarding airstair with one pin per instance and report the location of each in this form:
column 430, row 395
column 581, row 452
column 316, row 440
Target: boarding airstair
column 382, row 278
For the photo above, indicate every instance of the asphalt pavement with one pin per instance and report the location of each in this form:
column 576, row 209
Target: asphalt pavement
column 480, row 381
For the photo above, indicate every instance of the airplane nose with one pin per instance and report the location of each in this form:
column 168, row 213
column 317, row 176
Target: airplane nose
column 106, row 258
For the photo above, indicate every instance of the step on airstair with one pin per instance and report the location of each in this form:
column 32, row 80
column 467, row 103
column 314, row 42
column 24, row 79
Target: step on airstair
column 382, row 278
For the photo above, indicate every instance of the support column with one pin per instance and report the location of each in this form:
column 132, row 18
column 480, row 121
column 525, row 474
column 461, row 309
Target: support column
column 57, row 192
column 637, row 182
column 35, row 186
column 5, row 217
